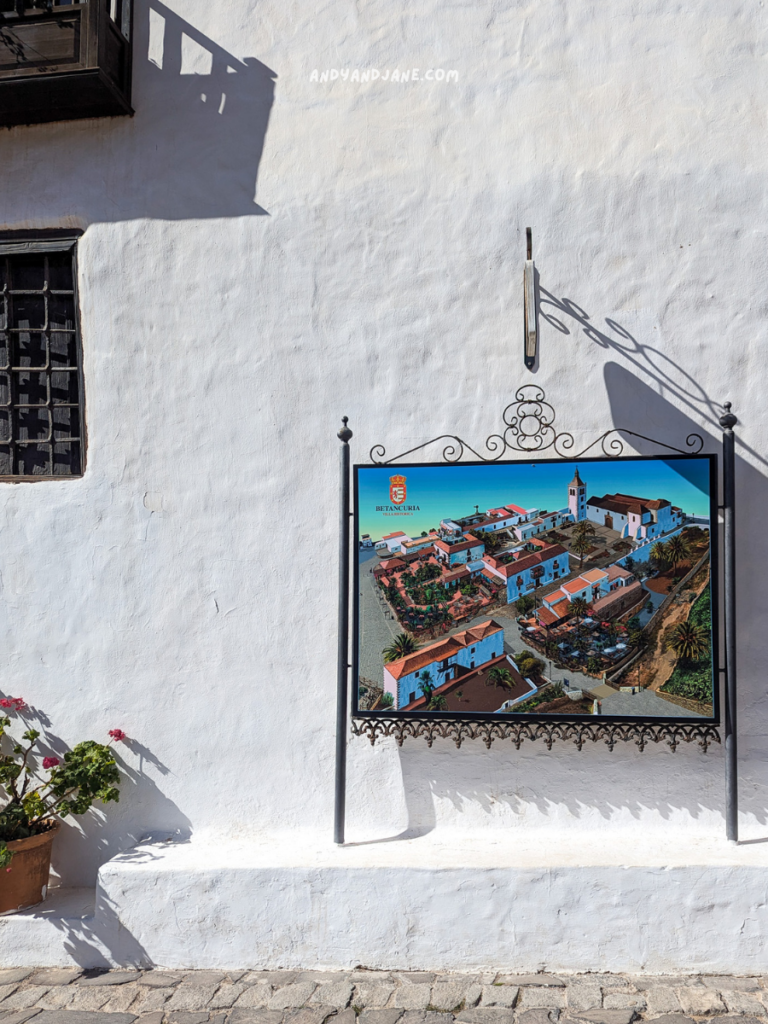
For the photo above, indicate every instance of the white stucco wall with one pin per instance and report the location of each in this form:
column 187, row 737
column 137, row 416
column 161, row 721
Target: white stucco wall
column 183, row 590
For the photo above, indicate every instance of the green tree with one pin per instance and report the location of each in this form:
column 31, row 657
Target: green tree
column 659, row 555
column 387, row 700
column 403, row 644
column 584, row 528
column 525, row 604
column 677, row 550
column 437, row 702
column 581, row 546
column 499, row 676
column 578, row 607
column 551, row 648
column 594, row 665
column 689, row 641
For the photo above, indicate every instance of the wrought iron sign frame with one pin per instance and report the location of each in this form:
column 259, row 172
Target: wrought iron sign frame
column 529, row 428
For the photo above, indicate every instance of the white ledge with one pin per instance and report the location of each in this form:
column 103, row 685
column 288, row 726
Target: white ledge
column 444, row 901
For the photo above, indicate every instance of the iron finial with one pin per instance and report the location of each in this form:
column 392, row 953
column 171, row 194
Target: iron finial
column 728, row 421
column 345, row 433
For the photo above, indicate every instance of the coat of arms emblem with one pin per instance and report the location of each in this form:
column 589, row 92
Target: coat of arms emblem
column 397, row 490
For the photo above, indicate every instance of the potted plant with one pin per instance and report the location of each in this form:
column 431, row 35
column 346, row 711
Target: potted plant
column 33, row 804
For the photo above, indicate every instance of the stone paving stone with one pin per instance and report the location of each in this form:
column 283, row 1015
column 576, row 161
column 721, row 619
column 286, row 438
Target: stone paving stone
column 290, row 996
column 487, row 1015
column 412, row 997
column 661, row 999
column 57, row 998
column 414, row 977
column 159, row 979
column 89, row 999
column 13, row 975
column 584, row 995
column 540, row 980
column 345, row 1017
column 186, row 1017
column 254, row 1015
column 675, row 1018
column 23, row 998
column 540, row 1016
column 226, row 995
column 534, row 998
column 150, row 1000
column 56, row 976
column 122, row 997
column 204, row 978
column 731, row 984
column 624, row 1000
column 499, row 995
column 372, row 993
column 729, row 1019
column 20, row 1016
column 191, row 997
column 108, row 978
column 335, row 993
column 378, row 1016
column 460, row 979
column 700, row 1001
column 372, row 977
column 425, row 1017
column 254, row 996
column 83, row 1017
column 7, row 990
column 615, row 1016
column 307, row 1015
column 151, row 1018
column 323, row 977
column 742, row 1002
column 270, row 977
column 643, row 982
column 449, row 995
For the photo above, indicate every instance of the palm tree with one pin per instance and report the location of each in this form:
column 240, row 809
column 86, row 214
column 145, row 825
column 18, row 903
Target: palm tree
column 403, row 644
column 578, row 607
column 437, row 702
column 499, row 676
column 659, row 554
column 677, row 550
column 581, row 546
column 688, row 641
column 584, row 529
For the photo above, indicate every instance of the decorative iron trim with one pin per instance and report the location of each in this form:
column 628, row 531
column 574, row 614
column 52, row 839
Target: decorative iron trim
column 611, row 733
column 529, row 427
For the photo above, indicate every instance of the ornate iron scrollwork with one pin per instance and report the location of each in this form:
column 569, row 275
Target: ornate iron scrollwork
column 611, row 733
column 529, row 428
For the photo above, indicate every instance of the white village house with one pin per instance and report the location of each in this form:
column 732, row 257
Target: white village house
column 210, row 273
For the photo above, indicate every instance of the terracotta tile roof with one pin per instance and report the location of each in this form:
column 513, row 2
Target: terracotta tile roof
column 441, row 650
column 594, row 575
column 617, row 572
column 516, row 509
column 391, row 536
column 455, row 574
column 420, row 659
column 574, row 586
column 624, row 503
column 529, row 561
column 546, row 617
column 562, row 609
column 622, row 595
column 391, row 564
column 463, row 545
column 559, row 594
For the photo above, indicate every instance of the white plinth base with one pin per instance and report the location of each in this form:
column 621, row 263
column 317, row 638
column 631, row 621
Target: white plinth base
column 454, row 903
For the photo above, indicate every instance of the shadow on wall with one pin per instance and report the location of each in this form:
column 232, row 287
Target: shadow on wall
column 201, row 117
column 532, row 778
column 191, row 151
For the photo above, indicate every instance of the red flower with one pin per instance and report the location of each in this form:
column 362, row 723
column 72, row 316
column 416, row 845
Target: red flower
column 16, row 703
column 50, row 762
column 117, row 734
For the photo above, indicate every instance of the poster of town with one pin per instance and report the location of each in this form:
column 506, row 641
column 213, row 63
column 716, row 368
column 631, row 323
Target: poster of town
column 537, row 588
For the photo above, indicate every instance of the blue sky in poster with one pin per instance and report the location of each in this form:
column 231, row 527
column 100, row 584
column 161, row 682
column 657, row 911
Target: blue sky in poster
column 442, row 492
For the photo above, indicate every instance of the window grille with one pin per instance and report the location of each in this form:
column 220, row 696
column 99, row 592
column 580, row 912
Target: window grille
column 41, row 388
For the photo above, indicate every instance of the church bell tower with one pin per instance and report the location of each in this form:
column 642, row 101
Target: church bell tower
column 577, row 498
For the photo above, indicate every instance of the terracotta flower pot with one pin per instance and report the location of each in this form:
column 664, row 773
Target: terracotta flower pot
column 26, row 884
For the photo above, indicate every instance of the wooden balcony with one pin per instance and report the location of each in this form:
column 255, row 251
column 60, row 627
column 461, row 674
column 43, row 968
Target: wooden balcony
column 62, row 60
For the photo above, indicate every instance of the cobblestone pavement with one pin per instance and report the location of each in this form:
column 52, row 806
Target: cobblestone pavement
column 71, row 996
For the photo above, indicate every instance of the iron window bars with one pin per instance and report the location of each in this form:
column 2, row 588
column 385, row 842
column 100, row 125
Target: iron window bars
column 41, row 386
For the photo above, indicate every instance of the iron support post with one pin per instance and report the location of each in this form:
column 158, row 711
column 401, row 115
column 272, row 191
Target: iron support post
column 727, row 422
column 342, row 676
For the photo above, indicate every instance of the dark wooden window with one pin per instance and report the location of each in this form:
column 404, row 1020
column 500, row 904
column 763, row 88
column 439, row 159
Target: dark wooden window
column 41, row 386
column 61, row 60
